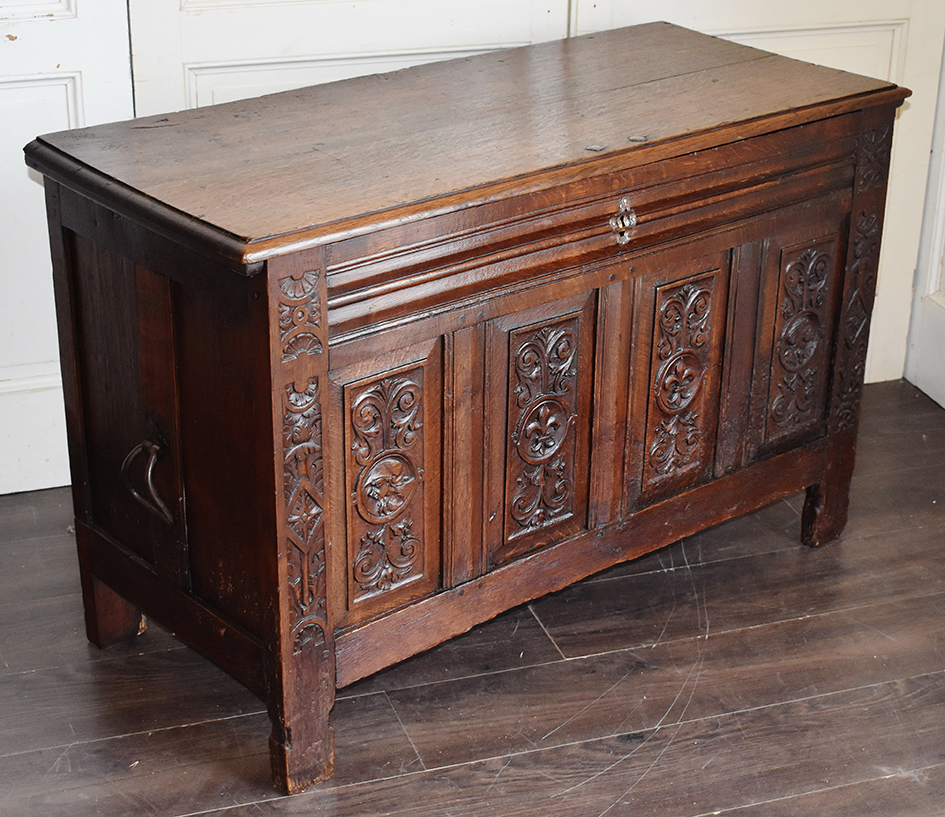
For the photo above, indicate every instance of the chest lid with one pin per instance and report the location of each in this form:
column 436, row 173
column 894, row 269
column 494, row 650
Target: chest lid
column 258, row 178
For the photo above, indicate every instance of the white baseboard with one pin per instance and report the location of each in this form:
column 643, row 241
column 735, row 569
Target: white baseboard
column 33, row 450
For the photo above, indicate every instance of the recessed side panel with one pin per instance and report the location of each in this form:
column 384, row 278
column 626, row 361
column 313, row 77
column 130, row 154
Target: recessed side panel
column 127, row 362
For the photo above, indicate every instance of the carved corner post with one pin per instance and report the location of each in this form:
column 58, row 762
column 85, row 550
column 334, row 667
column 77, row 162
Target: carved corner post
column 827, row 503
column 302, row 656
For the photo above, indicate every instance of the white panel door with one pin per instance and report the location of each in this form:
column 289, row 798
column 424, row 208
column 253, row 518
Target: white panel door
column 63, row 64
column 925, row 362
column 899, row 40
column 191, row 53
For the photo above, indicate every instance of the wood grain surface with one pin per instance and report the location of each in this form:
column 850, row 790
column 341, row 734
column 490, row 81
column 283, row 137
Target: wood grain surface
column 734, row 671
column 285, row 163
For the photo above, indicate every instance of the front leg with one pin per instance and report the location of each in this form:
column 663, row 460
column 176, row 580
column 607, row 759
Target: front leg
column 827, row 503
column 302, row 653
column 109, row 618
column 301, row 746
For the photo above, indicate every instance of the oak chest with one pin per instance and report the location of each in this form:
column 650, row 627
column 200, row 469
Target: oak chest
column 351, row 369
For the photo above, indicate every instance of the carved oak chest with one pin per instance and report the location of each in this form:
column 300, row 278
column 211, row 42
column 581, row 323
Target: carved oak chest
column 351, row 369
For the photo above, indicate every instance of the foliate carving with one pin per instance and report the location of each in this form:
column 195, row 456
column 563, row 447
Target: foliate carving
column 855, row 318
column 863, row 269
column 683, row 328
column 860, row 285
column 386, row 556
column 543, row 412
column 304, row 492
column 386, row 447
column 798, row 376
column 676, row 443
column 874, row 151
column 300, row 318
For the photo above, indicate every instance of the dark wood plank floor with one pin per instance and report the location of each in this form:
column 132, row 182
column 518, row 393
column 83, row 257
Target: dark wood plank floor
column 734, row 672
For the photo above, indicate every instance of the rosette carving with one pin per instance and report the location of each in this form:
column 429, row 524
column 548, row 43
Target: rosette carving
column 300, row 320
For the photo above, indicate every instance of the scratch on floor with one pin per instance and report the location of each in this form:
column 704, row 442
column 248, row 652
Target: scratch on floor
column 869, row 627
column 669, row 618
column 702, row 610
column 695, row 670
column 413, row 746
column 920, row 776
column 584, row 709
column 741, row 728
column 499, row 774
column 544, row 629
column 62, row 759
column 656, row 760
column 645, row 772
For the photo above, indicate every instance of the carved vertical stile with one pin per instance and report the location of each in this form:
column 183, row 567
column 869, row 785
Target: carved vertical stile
column 303, row 671
column 869, row 200
column 855, row 317
column 826, row 507
column 304, row 495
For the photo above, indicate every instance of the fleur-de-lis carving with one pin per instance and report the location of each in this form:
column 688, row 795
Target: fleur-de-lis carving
column 544, row 368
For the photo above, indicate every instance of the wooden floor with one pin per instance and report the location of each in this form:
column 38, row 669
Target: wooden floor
column 734, row 672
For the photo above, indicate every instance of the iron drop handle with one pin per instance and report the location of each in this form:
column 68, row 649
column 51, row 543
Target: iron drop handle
column 153, row 503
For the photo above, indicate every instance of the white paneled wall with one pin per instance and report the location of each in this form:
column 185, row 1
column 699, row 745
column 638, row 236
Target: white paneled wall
column 925, row 362
column 190, row 53
column 65, row 63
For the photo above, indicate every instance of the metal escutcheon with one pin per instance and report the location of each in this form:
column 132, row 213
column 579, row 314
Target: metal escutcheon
column 624, row 221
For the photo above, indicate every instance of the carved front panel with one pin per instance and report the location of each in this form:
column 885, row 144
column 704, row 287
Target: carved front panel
column 542, row 416
column 547, row 416
column 391, row 449
column 802, row 336
column 682, row 413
